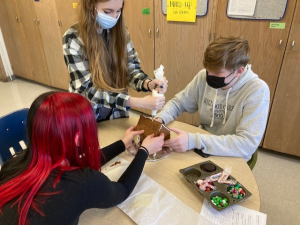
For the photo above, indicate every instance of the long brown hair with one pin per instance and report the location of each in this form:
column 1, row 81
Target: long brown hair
column 107, row 62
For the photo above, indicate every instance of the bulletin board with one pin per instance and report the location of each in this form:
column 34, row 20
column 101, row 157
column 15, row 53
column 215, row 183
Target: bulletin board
column 264, row 10
column 202, row 7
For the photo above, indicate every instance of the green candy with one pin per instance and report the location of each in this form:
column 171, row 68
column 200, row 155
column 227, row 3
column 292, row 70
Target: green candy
column 219, row 201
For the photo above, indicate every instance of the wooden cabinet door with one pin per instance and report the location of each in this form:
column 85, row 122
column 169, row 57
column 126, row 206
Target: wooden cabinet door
column 266, row 56
column 3, row 77
column 14, row 39
column 141, row 30
column 52, row 43
column 179, row 47
column 283, row 128
column 67, row 13
column 34, row 41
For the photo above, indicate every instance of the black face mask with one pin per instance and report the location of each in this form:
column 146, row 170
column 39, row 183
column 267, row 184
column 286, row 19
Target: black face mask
column 217, row 82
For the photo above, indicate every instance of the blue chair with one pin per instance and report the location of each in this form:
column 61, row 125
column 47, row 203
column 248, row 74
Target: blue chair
column 12, row 132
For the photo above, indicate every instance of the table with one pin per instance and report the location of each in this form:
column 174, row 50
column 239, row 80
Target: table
column 166, row 173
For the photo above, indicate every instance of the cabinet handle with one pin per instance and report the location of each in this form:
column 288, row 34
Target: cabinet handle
column 17, row 19
column 60, row 23
column 150, row 33
column 293, row 44
column 38, row 21
column 157, row 31
column 279, row 46
column 215, row 36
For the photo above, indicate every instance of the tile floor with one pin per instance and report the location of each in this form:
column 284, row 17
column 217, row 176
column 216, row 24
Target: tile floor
column 277, row 175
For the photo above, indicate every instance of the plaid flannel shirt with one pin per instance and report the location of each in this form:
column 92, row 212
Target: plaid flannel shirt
column 81, row 81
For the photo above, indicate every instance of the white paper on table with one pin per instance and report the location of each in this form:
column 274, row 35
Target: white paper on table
column 115, row 172
column 241, row 7
column 235, row 215
column 150, row 203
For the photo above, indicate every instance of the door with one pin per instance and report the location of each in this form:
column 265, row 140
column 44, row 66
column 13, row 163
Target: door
column 140, row 25
column 283, row 129
column 179, row 47
column 11, row 27
column 67, row 14
column 34, row 41
column 52, row 43
column 266, row 45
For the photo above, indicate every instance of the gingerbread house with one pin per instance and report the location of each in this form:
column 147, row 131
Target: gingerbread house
column 151, row 127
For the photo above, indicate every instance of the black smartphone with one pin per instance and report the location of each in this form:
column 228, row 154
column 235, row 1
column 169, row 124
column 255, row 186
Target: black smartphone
column 199, row 152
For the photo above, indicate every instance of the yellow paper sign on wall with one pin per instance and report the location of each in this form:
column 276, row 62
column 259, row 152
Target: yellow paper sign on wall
column 75, row 5
column 181, row 10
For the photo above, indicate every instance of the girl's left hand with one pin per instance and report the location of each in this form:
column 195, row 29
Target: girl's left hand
column 129, row 135
column 160, row 86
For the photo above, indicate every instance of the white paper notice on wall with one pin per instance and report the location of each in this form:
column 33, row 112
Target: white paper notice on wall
column 241, row 7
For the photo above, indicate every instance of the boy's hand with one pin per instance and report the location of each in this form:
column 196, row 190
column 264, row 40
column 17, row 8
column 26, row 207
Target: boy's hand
column 179, row 143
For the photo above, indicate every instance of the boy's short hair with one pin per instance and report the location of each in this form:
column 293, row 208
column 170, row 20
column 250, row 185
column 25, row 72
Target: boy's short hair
column 226, row 52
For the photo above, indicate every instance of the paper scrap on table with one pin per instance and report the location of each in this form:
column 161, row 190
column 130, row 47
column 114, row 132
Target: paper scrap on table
column 241, row 7
column 235, row 215
column 150, row 203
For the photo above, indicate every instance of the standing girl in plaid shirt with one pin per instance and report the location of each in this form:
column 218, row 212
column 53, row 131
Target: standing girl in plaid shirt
column 102, row 62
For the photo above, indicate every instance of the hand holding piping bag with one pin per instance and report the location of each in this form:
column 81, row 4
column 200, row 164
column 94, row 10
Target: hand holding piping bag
column 159, row 75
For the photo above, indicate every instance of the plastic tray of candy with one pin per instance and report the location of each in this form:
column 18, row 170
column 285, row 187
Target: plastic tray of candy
column 205, row 177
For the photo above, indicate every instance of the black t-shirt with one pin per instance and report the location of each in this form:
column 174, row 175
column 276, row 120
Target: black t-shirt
column 81, row 189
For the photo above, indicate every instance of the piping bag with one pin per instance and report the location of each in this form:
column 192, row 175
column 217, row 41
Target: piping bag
column 159, row 75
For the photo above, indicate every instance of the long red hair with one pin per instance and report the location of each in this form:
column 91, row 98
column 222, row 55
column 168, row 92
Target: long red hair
column 54, row 120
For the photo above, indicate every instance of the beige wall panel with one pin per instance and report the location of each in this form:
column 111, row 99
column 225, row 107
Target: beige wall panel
column 139, row 26
column 52, row 43
column 284, row 124
column 33, row 40
column 11, row 27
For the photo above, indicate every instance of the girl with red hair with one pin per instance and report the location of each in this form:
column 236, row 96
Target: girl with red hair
column 57, row 177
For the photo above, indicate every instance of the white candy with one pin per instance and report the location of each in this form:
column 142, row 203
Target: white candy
column 199, row 182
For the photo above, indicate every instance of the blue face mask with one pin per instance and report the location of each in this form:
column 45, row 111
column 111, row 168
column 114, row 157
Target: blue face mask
column 105, row 21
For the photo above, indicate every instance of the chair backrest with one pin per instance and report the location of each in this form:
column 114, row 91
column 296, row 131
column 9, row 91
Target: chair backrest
column 12, row 133
column 251, row 163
